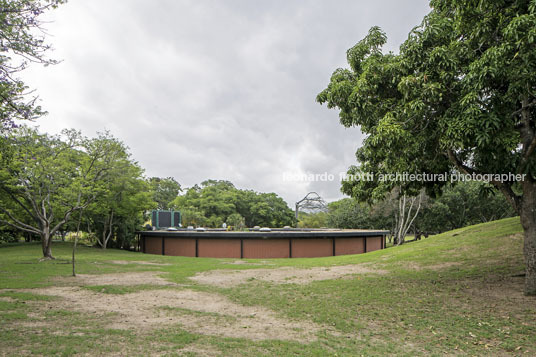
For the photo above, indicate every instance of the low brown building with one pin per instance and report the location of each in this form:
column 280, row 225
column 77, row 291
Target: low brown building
column 277, row 243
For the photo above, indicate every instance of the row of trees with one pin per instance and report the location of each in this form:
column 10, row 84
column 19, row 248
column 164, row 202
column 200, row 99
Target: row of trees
column 460, row 205
column 216, row 202
column 53, row 184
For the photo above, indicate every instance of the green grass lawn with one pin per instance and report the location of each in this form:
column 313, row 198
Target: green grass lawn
column 455, row 293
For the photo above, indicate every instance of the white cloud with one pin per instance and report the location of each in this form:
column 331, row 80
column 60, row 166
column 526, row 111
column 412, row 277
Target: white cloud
column 214, row 89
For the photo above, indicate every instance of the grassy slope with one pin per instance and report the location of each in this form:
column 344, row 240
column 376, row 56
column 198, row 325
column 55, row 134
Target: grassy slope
column 454, row 293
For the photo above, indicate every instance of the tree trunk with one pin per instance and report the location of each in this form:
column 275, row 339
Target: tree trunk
column 528, row 221
column 46, row 243
column 106, row 238
column 103, row 244
column 76, row 241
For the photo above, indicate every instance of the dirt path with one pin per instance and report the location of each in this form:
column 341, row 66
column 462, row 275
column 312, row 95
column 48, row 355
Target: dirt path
column 139, row 262
column 195, row 311
column 124, row 279
column 287, row 275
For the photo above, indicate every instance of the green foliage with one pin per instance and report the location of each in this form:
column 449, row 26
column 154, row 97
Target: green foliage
column 348, row 213
column 48, row 180
column 192, row 216
column 236, row 221
column 124, row 196
column 462, row 205
column 165, row 190
column 459, row 96
column 22, row 42
column 312, row 220
column 215, row 201
column 8, row 235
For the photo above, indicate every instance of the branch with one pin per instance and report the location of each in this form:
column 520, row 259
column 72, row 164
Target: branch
column 18, row 224
column 526, row 130
column 505, row 189
column 415, row 216
column 530, row 149
column 68, row 213
column 528, row 105
column 14, row 198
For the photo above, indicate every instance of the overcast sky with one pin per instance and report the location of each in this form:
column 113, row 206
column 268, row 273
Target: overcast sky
column 214, row 89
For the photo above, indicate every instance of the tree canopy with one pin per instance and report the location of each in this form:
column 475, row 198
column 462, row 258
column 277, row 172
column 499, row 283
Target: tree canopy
column 22, row 41
column 47, row 178
column 215, row 202
column 460, row 97
column 165, row 190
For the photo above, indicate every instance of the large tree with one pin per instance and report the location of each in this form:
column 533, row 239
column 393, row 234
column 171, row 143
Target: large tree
column 460, row 97
column 22, row 41
column 48, row 178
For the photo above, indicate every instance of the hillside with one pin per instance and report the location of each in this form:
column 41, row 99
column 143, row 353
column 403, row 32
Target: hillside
column 459, row 292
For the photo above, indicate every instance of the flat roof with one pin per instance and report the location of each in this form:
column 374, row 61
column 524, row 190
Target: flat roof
column 292, row 233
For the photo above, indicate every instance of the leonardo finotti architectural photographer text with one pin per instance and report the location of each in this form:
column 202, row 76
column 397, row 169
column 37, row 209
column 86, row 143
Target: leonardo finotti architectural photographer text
column 402, row 177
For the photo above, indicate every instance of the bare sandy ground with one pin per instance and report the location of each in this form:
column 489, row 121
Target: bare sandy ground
column 196, row 311
column 286, row 275
column 139, row 262
column 124, row 279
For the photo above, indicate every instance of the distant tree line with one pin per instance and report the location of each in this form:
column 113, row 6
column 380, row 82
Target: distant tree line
column 460, row 205
column 215, row 202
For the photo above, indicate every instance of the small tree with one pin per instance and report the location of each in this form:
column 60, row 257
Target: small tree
column 405, row 216
column 236, row 221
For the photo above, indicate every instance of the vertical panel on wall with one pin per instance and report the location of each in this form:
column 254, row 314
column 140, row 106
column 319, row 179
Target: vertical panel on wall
column 266, row 248
column 184, row 247
column 374, row 243
column 153, row 245
column 218, row 248
column 311, row 248
column 350, row 246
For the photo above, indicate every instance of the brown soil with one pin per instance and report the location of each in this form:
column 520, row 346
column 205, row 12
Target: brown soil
column 287, row 275
column 505, row 292
column 499, row 296
column 442, row 266
column 140, row 262
column 200, row 350
column 244, row 262
column 419, row 267
column 133, row 278
column 199, row 312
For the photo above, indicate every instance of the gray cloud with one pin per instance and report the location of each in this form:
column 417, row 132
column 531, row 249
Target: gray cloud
column 214, row 89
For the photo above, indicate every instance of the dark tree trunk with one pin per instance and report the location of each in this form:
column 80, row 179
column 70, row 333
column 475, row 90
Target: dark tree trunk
column 46, row 245
column 46, row 241
column 528, row 221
